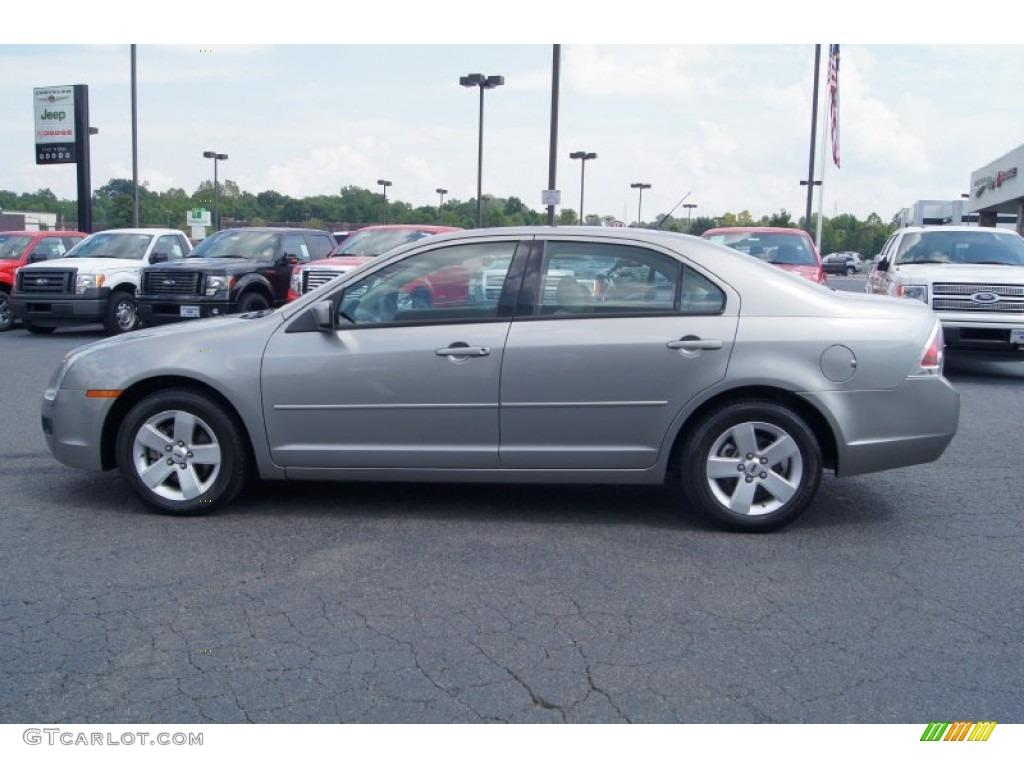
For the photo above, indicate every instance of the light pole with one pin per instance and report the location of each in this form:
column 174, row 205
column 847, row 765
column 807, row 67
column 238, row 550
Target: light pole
column 689, row 209
column 384, row 183
column 440, row 204
column 582, row 157
column 639, row 185
column 215, row 156
column 483, row 82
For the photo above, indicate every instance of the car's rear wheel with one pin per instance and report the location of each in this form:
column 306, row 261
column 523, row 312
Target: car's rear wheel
column 122, row 314
column 752, row 465
column 850, row 271
column 6, row 313
column 182, row 452
column 41, row 330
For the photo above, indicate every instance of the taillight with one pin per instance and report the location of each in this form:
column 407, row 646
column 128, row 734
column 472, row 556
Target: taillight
column 933, row 354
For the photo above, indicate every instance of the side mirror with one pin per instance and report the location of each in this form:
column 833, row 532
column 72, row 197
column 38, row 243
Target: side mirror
column 158, row 258
column 322, row 315
column 35, row 256
column 883, row 264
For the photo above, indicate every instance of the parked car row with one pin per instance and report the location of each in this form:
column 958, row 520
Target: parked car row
column 575, row 355
column 122, row 278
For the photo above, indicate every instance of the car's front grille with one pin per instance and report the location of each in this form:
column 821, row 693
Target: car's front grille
column 978, row 297
column 314, row 278
column 46, row 280
column 170, row 281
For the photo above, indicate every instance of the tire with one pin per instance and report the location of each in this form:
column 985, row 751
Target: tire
column 122, row 313
column 6, row 312
column 850, row 271
column 252, row 302
column 728, row 443
column 41, row 330
column 182, row 452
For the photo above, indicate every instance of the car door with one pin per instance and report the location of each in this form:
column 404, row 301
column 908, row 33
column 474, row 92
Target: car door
column 617, row 340
column 396, row 384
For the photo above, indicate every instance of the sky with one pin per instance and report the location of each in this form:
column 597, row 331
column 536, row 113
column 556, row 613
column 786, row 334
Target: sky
column 702, row 106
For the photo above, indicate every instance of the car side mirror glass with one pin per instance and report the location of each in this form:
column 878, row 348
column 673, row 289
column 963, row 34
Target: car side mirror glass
column 158, row 258
column 35, row 256
column 883, row 264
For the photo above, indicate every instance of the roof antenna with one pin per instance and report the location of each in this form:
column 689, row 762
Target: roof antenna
column 663, row 218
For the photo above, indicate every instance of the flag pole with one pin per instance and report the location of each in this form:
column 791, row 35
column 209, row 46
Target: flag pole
column 821, row 187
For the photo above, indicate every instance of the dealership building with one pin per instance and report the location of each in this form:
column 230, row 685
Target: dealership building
column 997, row 191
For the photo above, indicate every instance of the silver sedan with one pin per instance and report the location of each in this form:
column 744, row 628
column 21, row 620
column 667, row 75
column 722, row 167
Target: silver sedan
column 582, row 355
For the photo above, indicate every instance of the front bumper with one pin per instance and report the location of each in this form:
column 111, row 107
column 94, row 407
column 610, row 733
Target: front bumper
column 885, row 429
column 155, row 310
column 51, row 310
column 73, row 427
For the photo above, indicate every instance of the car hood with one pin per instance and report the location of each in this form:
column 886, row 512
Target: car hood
column 971, row 273
column 340, row 262
column 220, row 266
column 90, row 265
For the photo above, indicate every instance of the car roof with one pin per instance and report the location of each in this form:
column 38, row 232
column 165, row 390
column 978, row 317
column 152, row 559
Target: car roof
column 420, row 227
column 956, row 228
column 46, row 233
column 766, row 230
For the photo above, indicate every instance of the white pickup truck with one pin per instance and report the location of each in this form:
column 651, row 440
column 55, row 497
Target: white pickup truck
column 971, row 277
column 95, row 282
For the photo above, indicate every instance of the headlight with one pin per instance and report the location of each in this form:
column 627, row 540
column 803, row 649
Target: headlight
column 216, row 283
column 296, row 284
column 919, row 292
column 85, row 282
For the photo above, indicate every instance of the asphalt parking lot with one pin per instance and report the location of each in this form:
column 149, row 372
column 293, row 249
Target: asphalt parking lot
column 896, row 598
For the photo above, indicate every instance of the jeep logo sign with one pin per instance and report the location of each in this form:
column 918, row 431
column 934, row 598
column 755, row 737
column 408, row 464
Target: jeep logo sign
column 55, row 124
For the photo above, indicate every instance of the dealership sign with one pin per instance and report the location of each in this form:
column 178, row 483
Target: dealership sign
column 54, row 109
column 994, row 182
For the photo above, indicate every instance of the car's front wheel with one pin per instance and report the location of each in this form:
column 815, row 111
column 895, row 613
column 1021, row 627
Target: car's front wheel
column 752, row 465
column 183, row 452
column 6, row 312
column 122, row 315
column 252, row 302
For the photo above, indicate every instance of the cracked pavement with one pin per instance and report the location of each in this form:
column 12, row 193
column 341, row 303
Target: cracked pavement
column 895, row 599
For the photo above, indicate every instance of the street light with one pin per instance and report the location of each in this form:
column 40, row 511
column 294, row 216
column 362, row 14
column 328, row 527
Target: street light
column 483, row 82
column 582, row 157
column 385, row 184
column 215, row 156
column 689, row 209
column 639, row 185
column 440, row 205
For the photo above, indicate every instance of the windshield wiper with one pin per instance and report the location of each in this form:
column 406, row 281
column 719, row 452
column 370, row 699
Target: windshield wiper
column 195, row 255
column 1000, row 263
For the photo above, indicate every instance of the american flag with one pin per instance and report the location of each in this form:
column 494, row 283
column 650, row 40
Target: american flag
column 833, row 99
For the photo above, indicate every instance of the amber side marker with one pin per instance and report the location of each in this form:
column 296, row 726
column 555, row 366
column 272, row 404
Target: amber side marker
column 103, row 392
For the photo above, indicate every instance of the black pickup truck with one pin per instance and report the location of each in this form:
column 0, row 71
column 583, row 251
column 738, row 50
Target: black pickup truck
column 234, row 270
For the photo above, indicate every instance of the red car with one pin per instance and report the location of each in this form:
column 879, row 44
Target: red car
column 358, row 248
column 791, row 249
column 20, row 248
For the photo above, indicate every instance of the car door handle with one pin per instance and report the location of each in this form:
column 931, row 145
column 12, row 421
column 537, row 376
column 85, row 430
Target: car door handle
column 692, row 344
column 463, row 350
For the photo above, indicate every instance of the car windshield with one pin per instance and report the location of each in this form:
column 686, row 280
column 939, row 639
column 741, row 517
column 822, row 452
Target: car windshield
column 112, row 245
column 12, row 246
column 378, row 241
column 237, row 244
column 975, row 247
column 773, row 247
